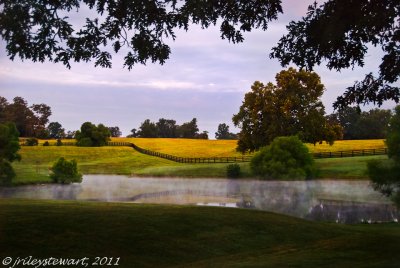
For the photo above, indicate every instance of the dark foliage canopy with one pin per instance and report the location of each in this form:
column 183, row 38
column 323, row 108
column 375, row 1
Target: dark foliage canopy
column 285, row 157
column 92, row 135
column 30, row 120
column 338, row 32
column 358, row 125
column 41, row 30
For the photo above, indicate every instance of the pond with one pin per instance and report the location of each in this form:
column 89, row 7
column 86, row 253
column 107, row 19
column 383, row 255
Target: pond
column 343, row 201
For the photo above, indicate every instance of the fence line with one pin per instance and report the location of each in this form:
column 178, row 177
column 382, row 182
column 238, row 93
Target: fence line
column 351, row 153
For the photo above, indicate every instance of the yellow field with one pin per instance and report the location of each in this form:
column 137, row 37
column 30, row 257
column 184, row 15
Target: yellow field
column 227, row 148
column 218, row 148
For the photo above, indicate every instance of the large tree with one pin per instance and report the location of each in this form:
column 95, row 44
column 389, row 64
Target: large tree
column 114, row 131
column 338, row 33
column 55, row 130
column 42, row 30
column 92, row 135
column 189, row 130
column 30, row 120
column 166, row 128
column 291, row 107
column 223, row 133
column 147, row 129
column 9, row 146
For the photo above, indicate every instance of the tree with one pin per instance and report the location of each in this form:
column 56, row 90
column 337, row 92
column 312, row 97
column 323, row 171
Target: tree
column 285, row 157
column 385, row 175
column 115, row 132
column 223, row 133
column 134, row 133
column 70, row 134
column 147, row 129
column 337, row 32
column 166, row 128
column 362, row 125
column 30, row 121
column 9, row 146
column 291, row 107
column 189, row 130
column 55, row 130
column 92, row 135
column 64, row 171
column 42, row 30
column 203, row 135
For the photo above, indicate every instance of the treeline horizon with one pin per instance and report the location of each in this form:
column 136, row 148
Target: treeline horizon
column 33, row 121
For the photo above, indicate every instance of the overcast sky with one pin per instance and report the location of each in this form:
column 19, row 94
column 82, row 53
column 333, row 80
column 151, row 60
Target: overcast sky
column 205, row 77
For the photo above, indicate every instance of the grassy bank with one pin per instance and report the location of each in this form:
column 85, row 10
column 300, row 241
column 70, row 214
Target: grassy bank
column 183, row 236
column 36, row 161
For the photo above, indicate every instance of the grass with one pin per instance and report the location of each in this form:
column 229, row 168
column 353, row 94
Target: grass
column 184, row 236
column 36, row 160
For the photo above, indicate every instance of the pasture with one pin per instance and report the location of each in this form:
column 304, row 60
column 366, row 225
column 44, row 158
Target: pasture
column 36, row 160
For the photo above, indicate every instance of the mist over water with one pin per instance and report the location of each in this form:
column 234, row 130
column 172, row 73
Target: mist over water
column 342, row 201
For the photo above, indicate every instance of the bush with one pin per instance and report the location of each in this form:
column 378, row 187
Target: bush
column 46, row 143
column 284, row 158
column 233, row 171
column 64, row 171
column 32, row 142
column 59, row 142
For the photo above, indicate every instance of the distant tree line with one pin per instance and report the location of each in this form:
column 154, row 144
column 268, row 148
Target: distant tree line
column 168, row 128
column 284, row 112
column 358, row 125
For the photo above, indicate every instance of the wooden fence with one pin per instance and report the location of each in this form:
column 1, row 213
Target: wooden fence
column 352, row 153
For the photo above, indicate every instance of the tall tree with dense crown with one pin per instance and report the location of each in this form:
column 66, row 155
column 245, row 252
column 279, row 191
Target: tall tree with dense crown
column 291, row 107
column 55, row 130
column 92, row 135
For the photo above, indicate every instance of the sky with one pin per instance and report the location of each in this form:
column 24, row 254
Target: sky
column 205, row 77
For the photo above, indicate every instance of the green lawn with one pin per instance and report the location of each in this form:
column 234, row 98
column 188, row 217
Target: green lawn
column 184, row 236
column 36, row 161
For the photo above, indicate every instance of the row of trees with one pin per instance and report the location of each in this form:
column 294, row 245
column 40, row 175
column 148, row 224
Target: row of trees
column 359, row 125
column 167, row 128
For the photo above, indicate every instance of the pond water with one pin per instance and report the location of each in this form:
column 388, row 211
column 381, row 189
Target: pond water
column 329, row 200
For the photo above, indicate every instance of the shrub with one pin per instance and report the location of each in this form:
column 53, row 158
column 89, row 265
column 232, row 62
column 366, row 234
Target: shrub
column 46, row 143
column 59, row 142
column 64, row 171
column 233, row 171
column 31, row 142
column 284, row 158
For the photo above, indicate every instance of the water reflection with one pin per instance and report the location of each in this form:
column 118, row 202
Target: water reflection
column 340, row 201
